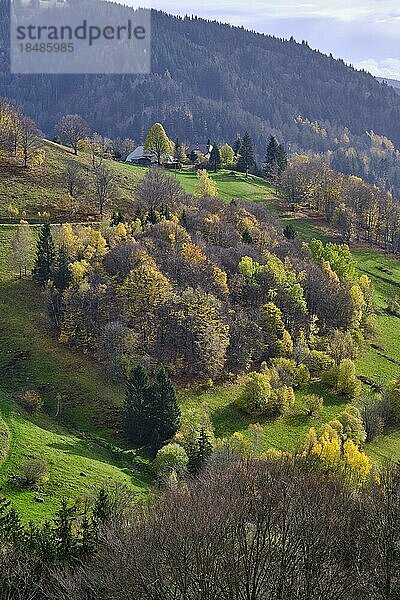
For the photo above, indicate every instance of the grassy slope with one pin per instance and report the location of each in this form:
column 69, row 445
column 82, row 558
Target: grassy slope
column 41, row 189
column 89, row 404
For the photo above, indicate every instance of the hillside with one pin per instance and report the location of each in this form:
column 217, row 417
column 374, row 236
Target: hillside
column 83, row 441
column 215, row 81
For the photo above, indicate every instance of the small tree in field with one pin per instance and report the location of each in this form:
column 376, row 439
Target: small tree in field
column 314, row 405
column 255, row 397
column 158, row 142
column 72, row 179
column 200, row 452
column 72, row 129
column 104, row 185
column 34, row 472
column 205, row 185
column 45, row 255
column 29, row 142
column 171, row 457
column 227, row 155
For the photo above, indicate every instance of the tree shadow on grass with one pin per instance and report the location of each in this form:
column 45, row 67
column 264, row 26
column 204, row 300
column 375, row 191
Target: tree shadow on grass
column 229, row 419
column 92, row 451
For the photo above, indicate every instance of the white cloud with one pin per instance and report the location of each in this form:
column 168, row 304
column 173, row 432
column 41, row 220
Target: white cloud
column 234, row 10
column 389, row 67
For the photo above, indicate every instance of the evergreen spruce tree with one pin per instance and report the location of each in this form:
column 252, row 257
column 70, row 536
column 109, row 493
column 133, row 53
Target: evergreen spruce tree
column 201, row 452
column 61, row 273
column 45, row 254
column 289, row 232
column 138, row 425
column 247, row 238
column 272, row 152
column 183, row 219
column 10, row 524
column 282, row 159
column 237, row 145
column 215, row 158
column 66, row 543
column 275, row 162
column 102, row 510
column 246, row 159
column 179, row 153
column 164, row 411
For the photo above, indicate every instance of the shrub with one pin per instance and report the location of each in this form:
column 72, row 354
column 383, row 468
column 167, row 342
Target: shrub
column 289, row 374
column 171, row 458
column 286, row 370
column 302, row 376
column 34, row 472
column 255, row 398
column 376, row 416
column 353, row 426
column 318, row 362
column 343, row 379
column 394, row 306
column 284, row 399
column 393, row 398
column 32, row 401
column 314, row 404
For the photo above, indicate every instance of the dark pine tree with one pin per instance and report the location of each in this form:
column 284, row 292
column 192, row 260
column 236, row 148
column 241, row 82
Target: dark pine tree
column 45, row 254
column 271, row 158
column 237, row 145
column 247, row 238
column 164, row 411
column 201, row 452
column 183, row 219
column 10, row 524
column 289, row 232
column 102, row 510
column 215, row 157
column 67, row 545
column 136, row 410
column 282, row 159
column 192, row 156
column 246, row 159
column 61, row 273
column 275, row 162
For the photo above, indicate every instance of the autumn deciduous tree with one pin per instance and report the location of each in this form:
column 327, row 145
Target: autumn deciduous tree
column 72, row 179
column 72, row 129
column 227, row 156
column 29, row 142
column 158, row 142
column 205, row 185
column 103, row 181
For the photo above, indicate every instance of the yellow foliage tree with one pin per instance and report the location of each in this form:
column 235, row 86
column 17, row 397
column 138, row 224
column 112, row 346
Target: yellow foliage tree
column 356, row 460
column 205, row 185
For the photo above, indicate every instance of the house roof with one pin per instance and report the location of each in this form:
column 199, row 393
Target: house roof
column 199, row 149
column 139, row 153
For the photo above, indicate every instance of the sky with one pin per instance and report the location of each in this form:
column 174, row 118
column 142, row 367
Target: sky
column 365, row 33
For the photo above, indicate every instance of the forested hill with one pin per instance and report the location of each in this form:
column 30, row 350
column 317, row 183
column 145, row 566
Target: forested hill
column 214, row 80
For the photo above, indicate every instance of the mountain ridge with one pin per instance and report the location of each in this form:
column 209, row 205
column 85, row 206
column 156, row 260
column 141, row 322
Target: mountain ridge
column 213, row 80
